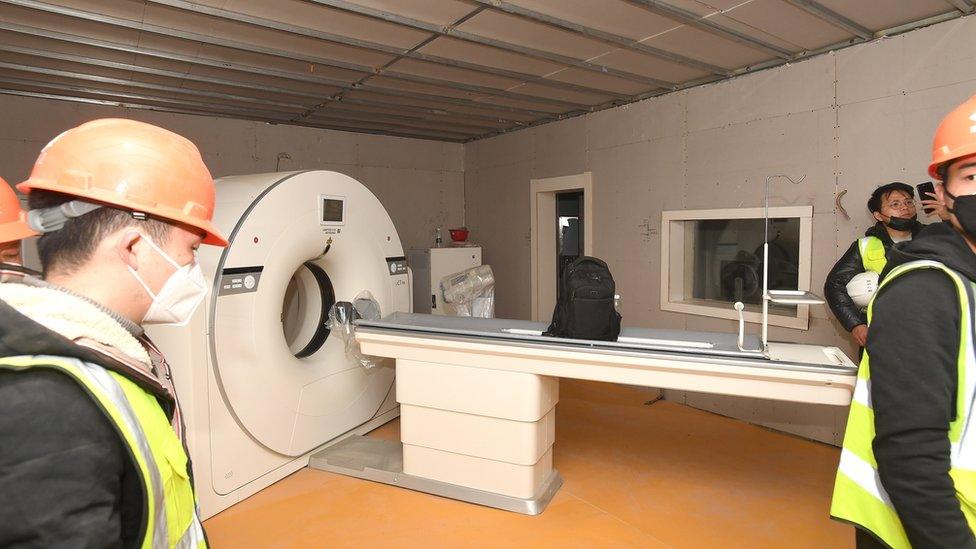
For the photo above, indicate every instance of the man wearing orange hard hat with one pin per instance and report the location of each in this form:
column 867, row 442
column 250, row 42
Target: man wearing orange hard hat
column 13, row 229
column 907, row 472
column 93, row 452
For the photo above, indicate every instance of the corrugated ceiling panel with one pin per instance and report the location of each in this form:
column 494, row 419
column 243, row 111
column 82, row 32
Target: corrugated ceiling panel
column 507, row 28
column 614, row 17
column 57, row 46
column 305, row 14
column 492, row 57
column 200, row 75
column 642, row 63
column 421, row 68
column 883, row 14
column 791, row 25
column 424, row 88
column 24, row 16
column 249, row 34
column 401, row 110
column 726, row 21
column 478, row 110
column 706, row 7
column 85, row 72
column 120, row 91
column 320, row 90
column 259, row 60
column 464, row 76
column 126, row 9
column 354, row 126
column 589, row 78
column 708, row 47
column 440, row 12
column 336, row 110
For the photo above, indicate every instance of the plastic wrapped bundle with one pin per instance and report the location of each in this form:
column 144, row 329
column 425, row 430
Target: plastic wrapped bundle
column 472, row 291
column 342, row 318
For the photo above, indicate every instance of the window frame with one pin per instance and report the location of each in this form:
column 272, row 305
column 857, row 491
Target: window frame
column 674, row 263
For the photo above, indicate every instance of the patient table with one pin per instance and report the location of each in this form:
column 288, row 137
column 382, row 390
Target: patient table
column 477, row 396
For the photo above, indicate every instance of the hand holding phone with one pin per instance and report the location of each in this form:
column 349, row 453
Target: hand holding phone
column 926, row 191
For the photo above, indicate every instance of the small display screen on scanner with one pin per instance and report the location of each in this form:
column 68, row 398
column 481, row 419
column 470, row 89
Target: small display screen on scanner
column 332, row 210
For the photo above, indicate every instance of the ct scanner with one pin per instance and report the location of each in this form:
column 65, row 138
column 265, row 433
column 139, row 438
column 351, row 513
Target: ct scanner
column 260, row 382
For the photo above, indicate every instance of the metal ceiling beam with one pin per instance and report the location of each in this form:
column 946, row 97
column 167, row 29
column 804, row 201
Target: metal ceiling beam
column 498, row 44
column 324, row 117
column 147, row 86
column 260, row 103
column 129, row 67
column 426, row 112
column 373, row 46
column 830, row 48
column 223, row 42
column 447, row 116
column 964, row 6
column 832, row 17
column 603, row 36
column 196, row 108
column 484, row 90
column 278, row 116
column 359, row 116
column 267, row 71
column 694, row 20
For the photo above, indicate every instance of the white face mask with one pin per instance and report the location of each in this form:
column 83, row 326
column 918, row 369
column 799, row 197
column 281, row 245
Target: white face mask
column 179, row 297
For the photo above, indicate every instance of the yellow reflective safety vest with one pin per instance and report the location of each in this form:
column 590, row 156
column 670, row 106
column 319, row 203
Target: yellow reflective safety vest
column 859, row 497
column 874, row 257
column 171, row 516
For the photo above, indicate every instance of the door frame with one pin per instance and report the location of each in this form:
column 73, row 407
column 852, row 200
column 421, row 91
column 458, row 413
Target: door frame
column 542, row 197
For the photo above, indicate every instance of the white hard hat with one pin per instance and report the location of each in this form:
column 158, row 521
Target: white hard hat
column 862, row 287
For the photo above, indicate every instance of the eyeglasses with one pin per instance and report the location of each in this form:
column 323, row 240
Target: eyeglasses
column 897, row 204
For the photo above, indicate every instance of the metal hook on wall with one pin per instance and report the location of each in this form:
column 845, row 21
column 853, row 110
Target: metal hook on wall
column 840, row 207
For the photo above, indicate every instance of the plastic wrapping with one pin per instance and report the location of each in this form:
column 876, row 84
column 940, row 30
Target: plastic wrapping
column 472, row 291
column 341, row 323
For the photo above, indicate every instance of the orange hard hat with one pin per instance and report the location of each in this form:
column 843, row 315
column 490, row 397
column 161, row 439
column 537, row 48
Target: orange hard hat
column 956, row 136
column 13, row 220
column 133, row 166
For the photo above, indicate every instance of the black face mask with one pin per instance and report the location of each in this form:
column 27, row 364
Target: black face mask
column 901, row 223
column 964, row 208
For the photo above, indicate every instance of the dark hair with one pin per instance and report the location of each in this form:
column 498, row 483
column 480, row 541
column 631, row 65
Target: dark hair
column 72, row 246
column 882, row 192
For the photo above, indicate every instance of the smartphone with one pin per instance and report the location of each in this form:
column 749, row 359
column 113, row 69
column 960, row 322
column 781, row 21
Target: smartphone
column 924, row 188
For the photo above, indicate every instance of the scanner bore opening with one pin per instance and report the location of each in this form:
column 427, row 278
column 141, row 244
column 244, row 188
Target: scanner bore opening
column 308, row 298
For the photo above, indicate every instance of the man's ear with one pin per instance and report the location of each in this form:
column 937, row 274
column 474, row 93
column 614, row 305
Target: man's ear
column 940, row 191
column 878, row 216
column 125, row 246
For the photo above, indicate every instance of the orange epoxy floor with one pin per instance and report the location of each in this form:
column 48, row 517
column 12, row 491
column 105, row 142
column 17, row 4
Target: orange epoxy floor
column 663, row 475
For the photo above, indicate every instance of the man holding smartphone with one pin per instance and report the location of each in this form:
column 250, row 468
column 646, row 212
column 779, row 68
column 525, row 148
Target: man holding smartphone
column 907, row 472
column 893, row 207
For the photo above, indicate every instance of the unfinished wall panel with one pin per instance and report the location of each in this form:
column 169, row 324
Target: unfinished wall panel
column 849, row 120
column 418, row 181
column 766, row 94
column 497, row 204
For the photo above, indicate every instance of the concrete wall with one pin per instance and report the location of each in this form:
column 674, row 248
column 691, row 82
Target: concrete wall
column 420, row 182
column 850, row 121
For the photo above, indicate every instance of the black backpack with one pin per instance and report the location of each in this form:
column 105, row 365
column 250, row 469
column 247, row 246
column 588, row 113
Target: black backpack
column 584, row 303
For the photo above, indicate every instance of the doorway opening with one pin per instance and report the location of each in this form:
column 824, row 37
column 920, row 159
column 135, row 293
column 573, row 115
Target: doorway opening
column 562, row 231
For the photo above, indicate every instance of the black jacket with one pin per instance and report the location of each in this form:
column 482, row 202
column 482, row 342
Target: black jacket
column 66, row 478
column 850, row 264
column 913, row 344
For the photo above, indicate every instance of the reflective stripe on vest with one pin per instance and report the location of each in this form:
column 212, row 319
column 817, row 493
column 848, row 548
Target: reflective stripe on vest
column 859, row 497
column 874, row 257
column 153, row 445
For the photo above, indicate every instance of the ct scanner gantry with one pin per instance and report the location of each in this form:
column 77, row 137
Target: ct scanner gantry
column 260, row 382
